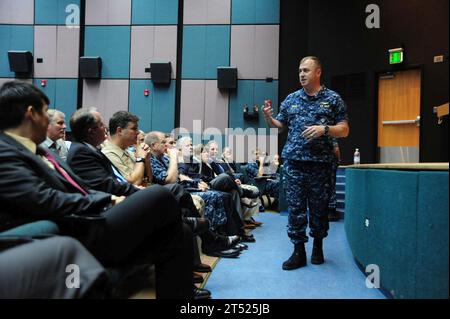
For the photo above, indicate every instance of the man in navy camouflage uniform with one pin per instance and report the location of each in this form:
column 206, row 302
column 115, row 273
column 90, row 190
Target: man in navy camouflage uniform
column 313, row 116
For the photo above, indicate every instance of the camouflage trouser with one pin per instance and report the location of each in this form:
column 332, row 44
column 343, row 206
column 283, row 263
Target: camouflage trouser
column 307, row 187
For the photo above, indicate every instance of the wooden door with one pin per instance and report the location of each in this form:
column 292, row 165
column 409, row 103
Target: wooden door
column 399, row 116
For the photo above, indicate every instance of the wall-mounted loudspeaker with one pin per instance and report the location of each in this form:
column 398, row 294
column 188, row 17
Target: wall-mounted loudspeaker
column 161, row 72
column 20, row 61
column 226, row 78
column 90, row 67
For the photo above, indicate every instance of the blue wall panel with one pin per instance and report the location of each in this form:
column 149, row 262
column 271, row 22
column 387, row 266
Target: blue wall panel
column 113, row 45
column 66, row 97
column 251, row 92
column 157, row 111
column 49, row 89
column 255, row 12
column 194, row 52
column 154, row 12
column 52, row 11
column 243, row 95
column 163, row 111
column 204, row 49
column 14, row 38
column 62, row 94
column 217, row 49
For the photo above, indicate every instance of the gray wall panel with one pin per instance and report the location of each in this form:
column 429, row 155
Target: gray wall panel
column 207, row 11
column 17, row 11
column 266, row 51
column 243, row 50
column 108, row 12
column 216, row 106
column 254, row 51
column 67, row 48
column 165, row 47
column 45, row 48
column 192, row 103
column 142, row 50
column 152, row 44
column 109, row 96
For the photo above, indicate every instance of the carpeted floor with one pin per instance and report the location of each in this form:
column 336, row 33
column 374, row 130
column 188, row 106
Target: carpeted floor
column 257, row 273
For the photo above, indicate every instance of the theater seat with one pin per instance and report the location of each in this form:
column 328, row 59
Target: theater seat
column 34, row 229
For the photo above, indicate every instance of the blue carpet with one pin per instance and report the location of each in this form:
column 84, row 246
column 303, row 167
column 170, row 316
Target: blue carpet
column 257, row 273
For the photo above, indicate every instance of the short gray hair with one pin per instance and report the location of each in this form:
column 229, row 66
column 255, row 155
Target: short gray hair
column 52, row 113
column 152, row 137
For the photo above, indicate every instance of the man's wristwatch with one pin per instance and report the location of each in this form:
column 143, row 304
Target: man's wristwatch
column 326, row 130
column 140, row 160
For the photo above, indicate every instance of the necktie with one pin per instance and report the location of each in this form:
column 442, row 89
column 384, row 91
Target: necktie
column 64, row 174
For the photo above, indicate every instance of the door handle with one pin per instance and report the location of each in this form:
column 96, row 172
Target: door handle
column 401, row 122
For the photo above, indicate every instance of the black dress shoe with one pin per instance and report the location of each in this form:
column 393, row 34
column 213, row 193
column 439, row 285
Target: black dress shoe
column 229, row 253
column 202, row 268
column 200, row 293
column 241, row 246
column 248, row 239
column 198, row 279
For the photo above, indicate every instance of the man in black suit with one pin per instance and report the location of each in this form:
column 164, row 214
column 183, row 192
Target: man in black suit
column 35, row 185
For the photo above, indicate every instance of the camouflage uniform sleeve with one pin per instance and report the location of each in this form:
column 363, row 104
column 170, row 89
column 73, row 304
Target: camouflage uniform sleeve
column 341, row 110
column 159, row 171
column 283, row 114
column 252, row 169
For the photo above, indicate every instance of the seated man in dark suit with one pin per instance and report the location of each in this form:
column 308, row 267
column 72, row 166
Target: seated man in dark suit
column 36, row 185
column 57, row 267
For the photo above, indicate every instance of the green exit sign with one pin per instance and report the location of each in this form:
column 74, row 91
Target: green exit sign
column 396, row 56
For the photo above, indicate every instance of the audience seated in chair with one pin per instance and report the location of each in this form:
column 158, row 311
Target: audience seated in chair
column 35, row 184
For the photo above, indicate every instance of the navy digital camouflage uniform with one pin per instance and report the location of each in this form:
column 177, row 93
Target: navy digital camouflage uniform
column 308, row 165
column 214, row 203
column 271, row 185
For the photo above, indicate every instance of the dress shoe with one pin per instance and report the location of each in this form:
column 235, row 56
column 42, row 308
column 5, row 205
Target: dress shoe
column 241, row 246
column 201, row 293
column 297, row 259
column 198, row 279
column 197, row 225
column 202, row 268
column 229, row 253
column 248, row 238
column 317, row 252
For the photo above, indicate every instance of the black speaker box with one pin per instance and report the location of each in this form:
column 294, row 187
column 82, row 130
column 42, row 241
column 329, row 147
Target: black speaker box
column 20, row 61
column 226, row 78
column 161, row 72
column 90, row 67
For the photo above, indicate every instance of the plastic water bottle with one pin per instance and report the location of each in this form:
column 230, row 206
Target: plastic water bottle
column 357, row 157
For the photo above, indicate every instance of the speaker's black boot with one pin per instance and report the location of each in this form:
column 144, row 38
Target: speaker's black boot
column 297, row 259
column 317, row 252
